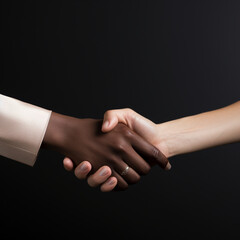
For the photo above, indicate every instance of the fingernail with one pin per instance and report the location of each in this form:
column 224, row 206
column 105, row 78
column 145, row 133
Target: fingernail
column 83, row 167
column 110, row 182
column 106, row 124
column 168, row 166
column 103, row 172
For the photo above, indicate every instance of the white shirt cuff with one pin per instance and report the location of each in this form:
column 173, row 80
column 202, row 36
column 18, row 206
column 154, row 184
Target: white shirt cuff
column 22, row 129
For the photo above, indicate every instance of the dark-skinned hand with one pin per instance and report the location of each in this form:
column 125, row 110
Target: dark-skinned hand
column 82, row 140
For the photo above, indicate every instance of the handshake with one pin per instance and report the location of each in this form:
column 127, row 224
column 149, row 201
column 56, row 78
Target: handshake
column 115, row 152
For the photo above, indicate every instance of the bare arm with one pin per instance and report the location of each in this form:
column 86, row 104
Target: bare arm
column 201, row 131
column 184, row 135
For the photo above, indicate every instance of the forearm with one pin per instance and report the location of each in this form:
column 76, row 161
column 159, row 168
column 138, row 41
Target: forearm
column 205, row 130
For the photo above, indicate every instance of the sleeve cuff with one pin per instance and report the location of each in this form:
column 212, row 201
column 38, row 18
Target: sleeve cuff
column 22, row 129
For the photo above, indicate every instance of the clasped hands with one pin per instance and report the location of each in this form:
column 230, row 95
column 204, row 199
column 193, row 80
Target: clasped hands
column 116, row 151
column 111, row 153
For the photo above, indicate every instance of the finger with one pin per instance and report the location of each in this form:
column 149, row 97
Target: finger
column 109, row 185
column 113, row 117
column 136, row 162
column 99, row 177
column 109, row 122
column 130, row 175
column 68, row 164
column 149, row 152
column 120, row 167
column 121, row 183
column 168, row 166
column 82, row 170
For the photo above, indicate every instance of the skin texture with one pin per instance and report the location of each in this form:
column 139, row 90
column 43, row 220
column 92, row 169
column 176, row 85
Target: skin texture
column 184, row 135
column 82, row 139
column 133, row 120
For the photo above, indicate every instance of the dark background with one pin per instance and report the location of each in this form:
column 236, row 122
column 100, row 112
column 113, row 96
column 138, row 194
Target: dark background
column 165, row 60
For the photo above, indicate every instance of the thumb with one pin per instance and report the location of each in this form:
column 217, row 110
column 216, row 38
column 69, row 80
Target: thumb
column 109, row 121
column 112, row 117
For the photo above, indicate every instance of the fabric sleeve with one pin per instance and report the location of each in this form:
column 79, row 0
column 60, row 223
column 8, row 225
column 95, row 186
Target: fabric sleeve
column 22, row 129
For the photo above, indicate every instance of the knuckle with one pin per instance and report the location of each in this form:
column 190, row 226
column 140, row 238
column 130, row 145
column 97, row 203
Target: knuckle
column 130, row 113
column 107, row 113
column 155, row 152
column 121, row 147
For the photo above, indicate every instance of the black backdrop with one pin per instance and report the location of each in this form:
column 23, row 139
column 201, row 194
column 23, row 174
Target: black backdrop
column 164, row 59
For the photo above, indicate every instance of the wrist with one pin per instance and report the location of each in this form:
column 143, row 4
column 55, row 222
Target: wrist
column 184, row 135
column 164, row 140
column 55, row 135
column 173, row 137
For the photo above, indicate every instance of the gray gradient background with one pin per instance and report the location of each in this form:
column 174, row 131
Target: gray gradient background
column 164, row 59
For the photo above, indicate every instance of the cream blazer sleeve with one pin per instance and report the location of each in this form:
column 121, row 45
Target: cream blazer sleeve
column 22, row 129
